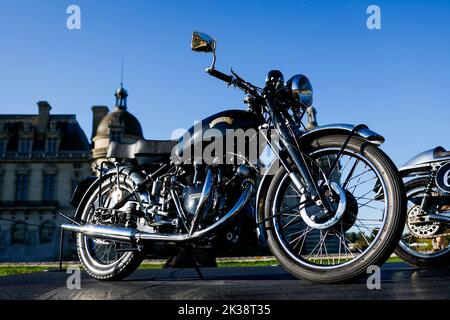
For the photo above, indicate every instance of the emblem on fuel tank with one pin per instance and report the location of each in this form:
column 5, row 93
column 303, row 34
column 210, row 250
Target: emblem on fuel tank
column 227, row 120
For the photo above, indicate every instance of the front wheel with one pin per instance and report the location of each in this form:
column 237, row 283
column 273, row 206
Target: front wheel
column 365, row 198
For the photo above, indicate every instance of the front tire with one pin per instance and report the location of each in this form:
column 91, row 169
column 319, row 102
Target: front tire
column 321, row 268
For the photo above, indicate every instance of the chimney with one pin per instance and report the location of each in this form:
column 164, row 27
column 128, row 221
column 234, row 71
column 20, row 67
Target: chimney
column 98, row 113
column 44, row 115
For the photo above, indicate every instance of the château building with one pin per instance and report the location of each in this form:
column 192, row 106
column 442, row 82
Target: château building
column 42, row 159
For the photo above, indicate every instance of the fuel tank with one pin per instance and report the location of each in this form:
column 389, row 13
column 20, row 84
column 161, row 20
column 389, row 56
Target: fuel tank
column 232, row 131
column 423, row 161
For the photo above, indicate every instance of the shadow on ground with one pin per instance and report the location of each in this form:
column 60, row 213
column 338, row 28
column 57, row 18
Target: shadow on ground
column 399, row 281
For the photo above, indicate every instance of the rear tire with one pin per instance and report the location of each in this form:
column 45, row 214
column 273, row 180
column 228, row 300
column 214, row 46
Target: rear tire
column 127, row 262
column 386, row 240
column 412, row 257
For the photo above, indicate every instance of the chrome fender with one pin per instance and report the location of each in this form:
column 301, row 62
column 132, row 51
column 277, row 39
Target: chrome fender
column 134, row 175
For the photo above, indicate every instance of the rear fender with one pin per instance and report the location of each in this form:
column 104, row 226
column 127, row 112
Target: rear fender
column 81, row 190
column 88, row 189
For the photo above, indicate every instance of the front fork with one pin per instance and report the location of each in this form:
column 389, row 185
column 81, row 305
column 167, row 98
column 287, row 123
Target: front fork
column 304, row 180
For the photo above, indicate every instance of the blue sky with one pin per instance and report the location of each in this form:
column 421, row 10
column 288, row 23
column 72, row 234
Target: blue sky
column 396, row 80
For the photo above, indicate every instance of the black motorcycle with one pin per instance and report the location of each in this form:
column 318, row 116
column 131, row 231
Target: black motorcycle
column 426, row 237
column 317, row 205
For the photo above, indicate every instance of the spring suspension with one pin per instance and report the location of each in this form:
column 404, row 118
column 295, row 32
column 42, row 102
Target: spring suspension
column 428, row 188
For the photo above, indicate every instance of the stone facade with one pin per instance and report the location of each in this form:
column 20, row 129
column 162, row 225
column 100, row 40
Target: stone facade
column 42, row 159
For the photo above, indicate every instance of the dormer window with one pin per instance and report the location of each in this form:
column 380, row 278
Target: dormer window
column 52, row 145
column 115, row 136
column 53, row 126
column 27, row 126
column 25, row 145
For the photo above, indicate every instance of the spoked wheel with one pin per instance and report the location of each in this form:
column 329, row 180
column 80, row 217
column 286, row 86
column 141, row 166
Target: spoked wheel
column 423, row 245
column 107, row 259
column 365, row 220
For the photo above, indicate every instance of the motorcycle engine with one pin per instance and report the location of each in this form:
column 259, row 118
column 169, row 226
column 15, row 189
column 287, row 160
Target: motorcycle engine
column 191, row 198
column 222, row 196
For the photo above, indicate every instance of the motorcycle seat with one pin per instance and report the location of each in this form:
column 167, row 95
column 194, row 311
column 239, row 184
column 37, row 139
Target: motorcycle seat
column 152, row 150
column 440, row 152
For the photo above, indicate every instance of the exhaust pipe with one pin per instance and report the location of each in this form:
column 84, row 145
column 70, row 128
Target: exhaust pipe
column 102, row 232
column 132, row 235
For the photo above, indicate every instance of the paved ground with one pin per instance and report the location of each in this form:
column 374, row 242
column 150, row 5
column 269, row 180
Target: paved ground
column 399, row 281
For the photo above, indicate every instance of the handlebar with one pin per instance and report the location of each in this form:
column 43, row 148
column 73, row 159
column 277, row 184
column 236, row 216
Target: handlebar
column 234, row 80
column 220, row 75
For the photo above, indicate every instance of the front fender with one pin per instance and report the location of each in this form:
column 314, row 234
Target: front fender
column 361, row 131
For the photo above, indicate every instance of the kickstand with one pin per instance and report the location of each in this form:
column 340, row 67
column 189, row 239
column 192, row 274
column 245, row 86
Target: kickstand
column 194, row 260
column 61, row 250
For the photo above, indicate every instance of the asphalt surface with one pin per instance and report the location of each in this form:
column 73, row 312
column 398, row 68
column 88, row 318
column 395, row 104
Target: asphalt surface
column 398, row 281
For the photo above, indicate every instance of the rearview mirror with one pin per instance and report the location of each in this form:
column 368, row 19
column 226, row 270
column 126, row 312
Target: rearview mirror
column 201, row 42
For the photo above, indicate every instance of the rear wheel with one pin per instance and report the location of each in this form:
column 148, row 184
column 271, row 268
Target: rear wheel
column 426, row 245
column 366, row 202
column 106, row 259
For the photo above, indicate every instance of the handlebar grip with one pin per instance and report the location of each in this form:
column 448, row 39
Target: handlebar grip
column 220, row 75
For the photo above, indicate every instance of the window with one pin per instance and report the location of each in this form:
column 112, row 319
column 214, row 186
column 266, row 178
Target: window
column 25, row 145
column 21, row 187
column 115, row 136
column 27, row 126
column 2, row 180
column 52, row 145
column 18, row 233
column 49, row 187
column 2, row 146
column 46, row 232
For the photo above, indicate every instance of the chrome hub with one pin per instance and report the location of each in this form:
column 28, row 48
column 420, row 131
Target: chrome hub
column 338, row 207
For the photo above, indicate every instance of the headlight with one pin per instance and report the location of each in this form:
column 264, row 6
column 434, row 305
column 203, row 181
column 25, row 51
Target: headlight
column 301, row 91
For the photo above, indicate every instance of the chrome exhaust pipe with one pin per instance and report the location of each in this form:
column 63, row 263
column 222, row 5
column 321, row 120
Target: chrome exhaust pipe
column 132, row 235
column 102, row 232
column 119, row 233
